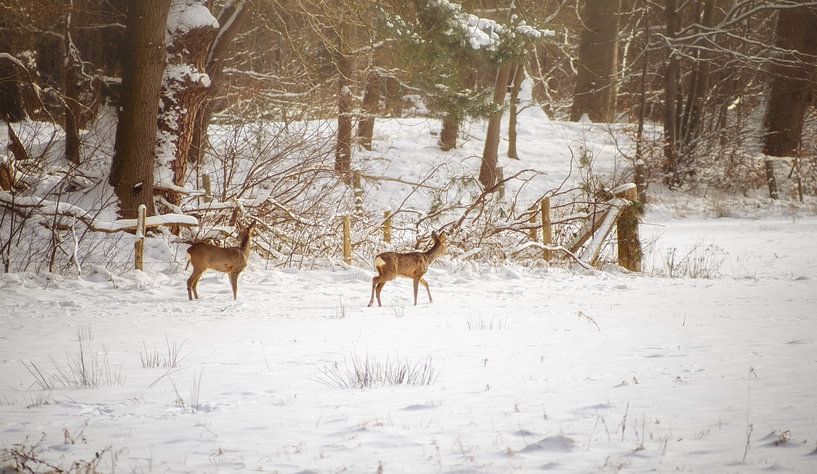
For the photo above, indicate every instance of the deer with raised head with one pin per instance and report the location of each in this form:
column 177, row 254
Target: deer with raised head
column 230, row 260
column 412, row 265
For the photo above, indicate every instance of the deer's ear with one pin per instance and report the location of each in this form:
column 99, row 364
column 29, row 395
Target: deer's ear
column 434, row 234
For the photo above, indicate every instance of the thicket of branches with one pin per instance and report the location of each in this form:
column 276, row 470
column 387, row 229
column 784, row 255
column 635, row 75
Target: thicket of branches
column 292, row 88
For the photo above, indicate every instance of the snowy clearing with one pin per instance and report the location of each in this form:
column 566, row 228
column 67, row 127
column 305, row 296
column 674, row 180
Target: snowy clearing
column 535, row 370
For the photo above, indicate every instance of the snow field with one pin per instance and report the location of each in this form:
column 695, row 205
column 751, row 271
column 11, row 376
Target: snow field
column 537, row 369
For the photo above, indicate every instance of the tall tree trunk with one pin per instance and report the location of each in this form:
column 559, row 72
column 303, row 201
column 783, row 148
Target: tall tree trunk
column 135, row 147
column 791, row 86
column 185, row 86
column 450, row 131
column 73, row 87
column 11, row 97
column 671, row 97
column 640, row 168
column 230, row 19
column 693, row 118
column 487, row 171
column 343, row 147
column 594, row 94
column 369, row 107
column 518, row 77
column 394, row 97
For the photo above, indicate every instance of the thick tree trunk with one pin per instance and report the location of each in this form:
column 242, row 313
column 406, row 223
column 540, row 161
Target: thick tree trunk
column 693, row 117
column 518, row 77
column 671, row 98
column 142, row 70
column 450, row 131
column 598, row 61
column 11, row 99
column 640, row 167
column 370, row 107
column 231, row 19
column 487, row 171
column 185, row 86
column 73, row 87
column 343, row 147
column 791, row 86
column 394, row 97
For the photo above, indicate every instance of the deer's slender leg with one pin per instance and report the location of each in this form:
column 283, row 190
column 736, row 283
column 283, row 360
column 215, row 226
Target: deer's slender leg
column 192, row 282
column 379, row 289
column 416, row 286
column 375, row 282
column 425, row 283
column 234, row 284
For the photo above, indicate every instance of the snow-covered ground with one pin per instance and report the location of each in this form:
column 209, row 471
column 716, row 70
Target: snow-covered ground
column 535, row 370
column 531, row 369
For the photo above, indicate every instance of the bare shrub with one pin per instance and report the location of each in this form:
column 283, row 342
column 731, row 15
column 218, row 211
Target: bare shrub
column 86, row 369
column 153, row 358
column 699, row 262
column 28, row 457
column 480, row 324
column 368, row 373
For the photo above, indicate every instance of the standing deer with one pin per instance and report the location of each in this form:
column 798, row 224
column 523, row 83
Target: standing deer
column 412, row 265
column 230, row 260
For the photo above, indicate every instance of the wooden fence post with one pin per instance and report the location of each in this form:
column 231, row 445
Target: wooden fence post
column 139, row 245
column 533, row 234
column 387, row 227
column 547, row 230
column 629, row 246
column 347, row 239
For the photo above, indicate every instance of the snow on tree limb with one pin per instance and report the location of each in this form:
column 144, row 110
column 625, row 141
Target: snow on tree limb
column 46, row 208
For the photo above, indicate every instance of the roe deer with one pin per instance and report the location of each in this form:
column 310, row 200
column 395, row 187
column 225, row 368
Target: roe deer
column 412, row 265
column 230, row 260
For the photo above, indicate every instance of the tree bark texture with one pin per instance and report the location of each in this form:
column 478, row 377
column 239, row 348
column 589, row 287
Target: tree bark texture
column 73, row 87
column 518, row 77
column 595, row 90
column 142, row 70
column 11, row 97
column 450, row 131
column 671, row 96
column 640, row 166
column 343, row 147
column 487, row 171
column 231, row 20
column 185, row 86
column 369, row 107
column 693, row 116
column 791, row 87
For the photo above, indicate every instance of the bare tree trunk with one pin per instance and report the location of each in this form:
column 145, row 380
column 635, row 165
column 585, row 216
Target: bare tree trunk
column 184, row 90
column 394, row 97
column 487, row 171
column 450, row 131
column 518, row 77
column 671, row 97
column 791, row 87
column 369, row 107
column 231, row 19
column 598, row 61
column 73, row 87
column 640, row 167
column 700, row 87
column 132, row 167
column 343, row 147
column 11, row 97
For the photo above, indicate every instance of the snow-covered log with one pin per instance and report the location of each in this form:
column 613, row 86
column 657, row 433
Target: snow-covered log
column 32, row 205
